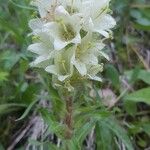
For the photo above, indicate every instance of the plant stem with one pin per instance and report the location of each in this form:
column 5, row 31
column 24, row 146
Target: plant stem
column 69, row 117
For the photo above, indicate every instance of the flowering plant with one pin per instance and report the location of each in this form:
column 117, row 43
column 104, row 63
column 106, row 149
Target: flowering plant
column 69, row 40
column 69, row 37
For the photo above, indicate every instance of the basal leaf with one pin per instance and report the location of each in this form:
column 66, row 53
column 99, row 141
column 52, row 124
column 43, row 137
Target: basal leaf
column 142, row 95
column 145, row 76
column 138, row 74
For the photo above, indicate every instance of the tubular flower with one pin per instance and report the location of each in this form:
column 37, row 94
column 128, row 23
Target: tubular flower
column 65, row 29
column 97, row 18
column 65, row 38
column 86, row 54
column 62, row 67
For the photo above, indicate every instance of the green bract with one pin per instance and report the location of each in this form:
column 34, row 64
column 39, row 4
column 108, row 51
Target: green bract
column 66, row 39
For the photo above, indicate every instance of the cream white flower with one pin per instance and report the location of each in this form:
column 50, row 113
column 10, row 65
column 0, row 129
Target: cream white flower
column 62, row 67
column 65, row 30
column 37, row 26
column 86, row 54
column 66, row 43
column 73, row 6
column 44, row 49
column 97, row 18
column 44, row 6
column 93, row 70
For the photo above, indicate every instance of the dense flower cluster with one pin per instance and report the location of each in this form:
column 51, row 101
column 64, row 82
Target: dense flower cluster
column 68, row 37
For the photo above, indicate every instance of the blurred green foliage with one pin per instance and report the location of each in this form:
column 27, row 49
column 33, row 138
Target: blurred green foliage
column 20, row 85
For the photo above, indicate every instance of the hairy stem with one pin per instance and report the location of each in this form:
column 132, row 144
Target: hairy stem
column 69, row 117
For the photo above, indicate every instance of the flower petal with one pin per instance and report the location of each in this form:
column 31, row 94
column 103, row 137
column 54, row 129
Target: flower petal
column 94, row 69
column 60, row 11
column 38, row 48
column 52, row 69
column 104, row 22
column 43, row 6
column 77, row 39
column 36, row 24
column 90, row 59
column 96, row 78
column 39, row 60
column 59, row 44
column 104, row 55
column 62, row 78
column 81, row 67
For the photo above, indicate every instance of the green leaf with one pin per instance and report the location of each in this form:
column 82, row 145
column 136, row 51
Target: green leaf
column 22, row 6
column 145, row 76
column 3, row 76
column 10, row 58
column 130, row 107
column 142, row 95
column 81, row 133
column 54, row 126
column 138, row 74
column 24, row 64
column 113, row 75
column 1, row 147
column 44, row 145
column 57, row 102
column 23, row 87
column 146, row 128
column 141, row 27
column 134, row 75
column 6, row 108
column 27, row 110
column 29, row 91
column 120, row 132
column 104, row 137
column 13, row 29
column 34, row 142
column 142, row 20
column 142, row 143
column 71, row 145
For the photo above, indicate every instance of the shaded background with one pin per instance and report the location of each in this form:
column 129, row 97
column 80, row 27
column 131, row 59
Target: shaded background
column 128, row 70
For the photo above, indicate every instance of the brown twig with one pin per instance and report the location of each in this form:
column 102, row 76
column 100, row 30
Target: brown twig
column 140, row 58
column 140, row 6
column 119, row 97
column 20, row 136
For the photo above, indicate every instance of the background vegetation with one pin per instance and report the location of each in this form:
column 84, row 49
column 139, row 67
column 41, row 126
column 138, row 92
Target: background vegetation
column 123, row 99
